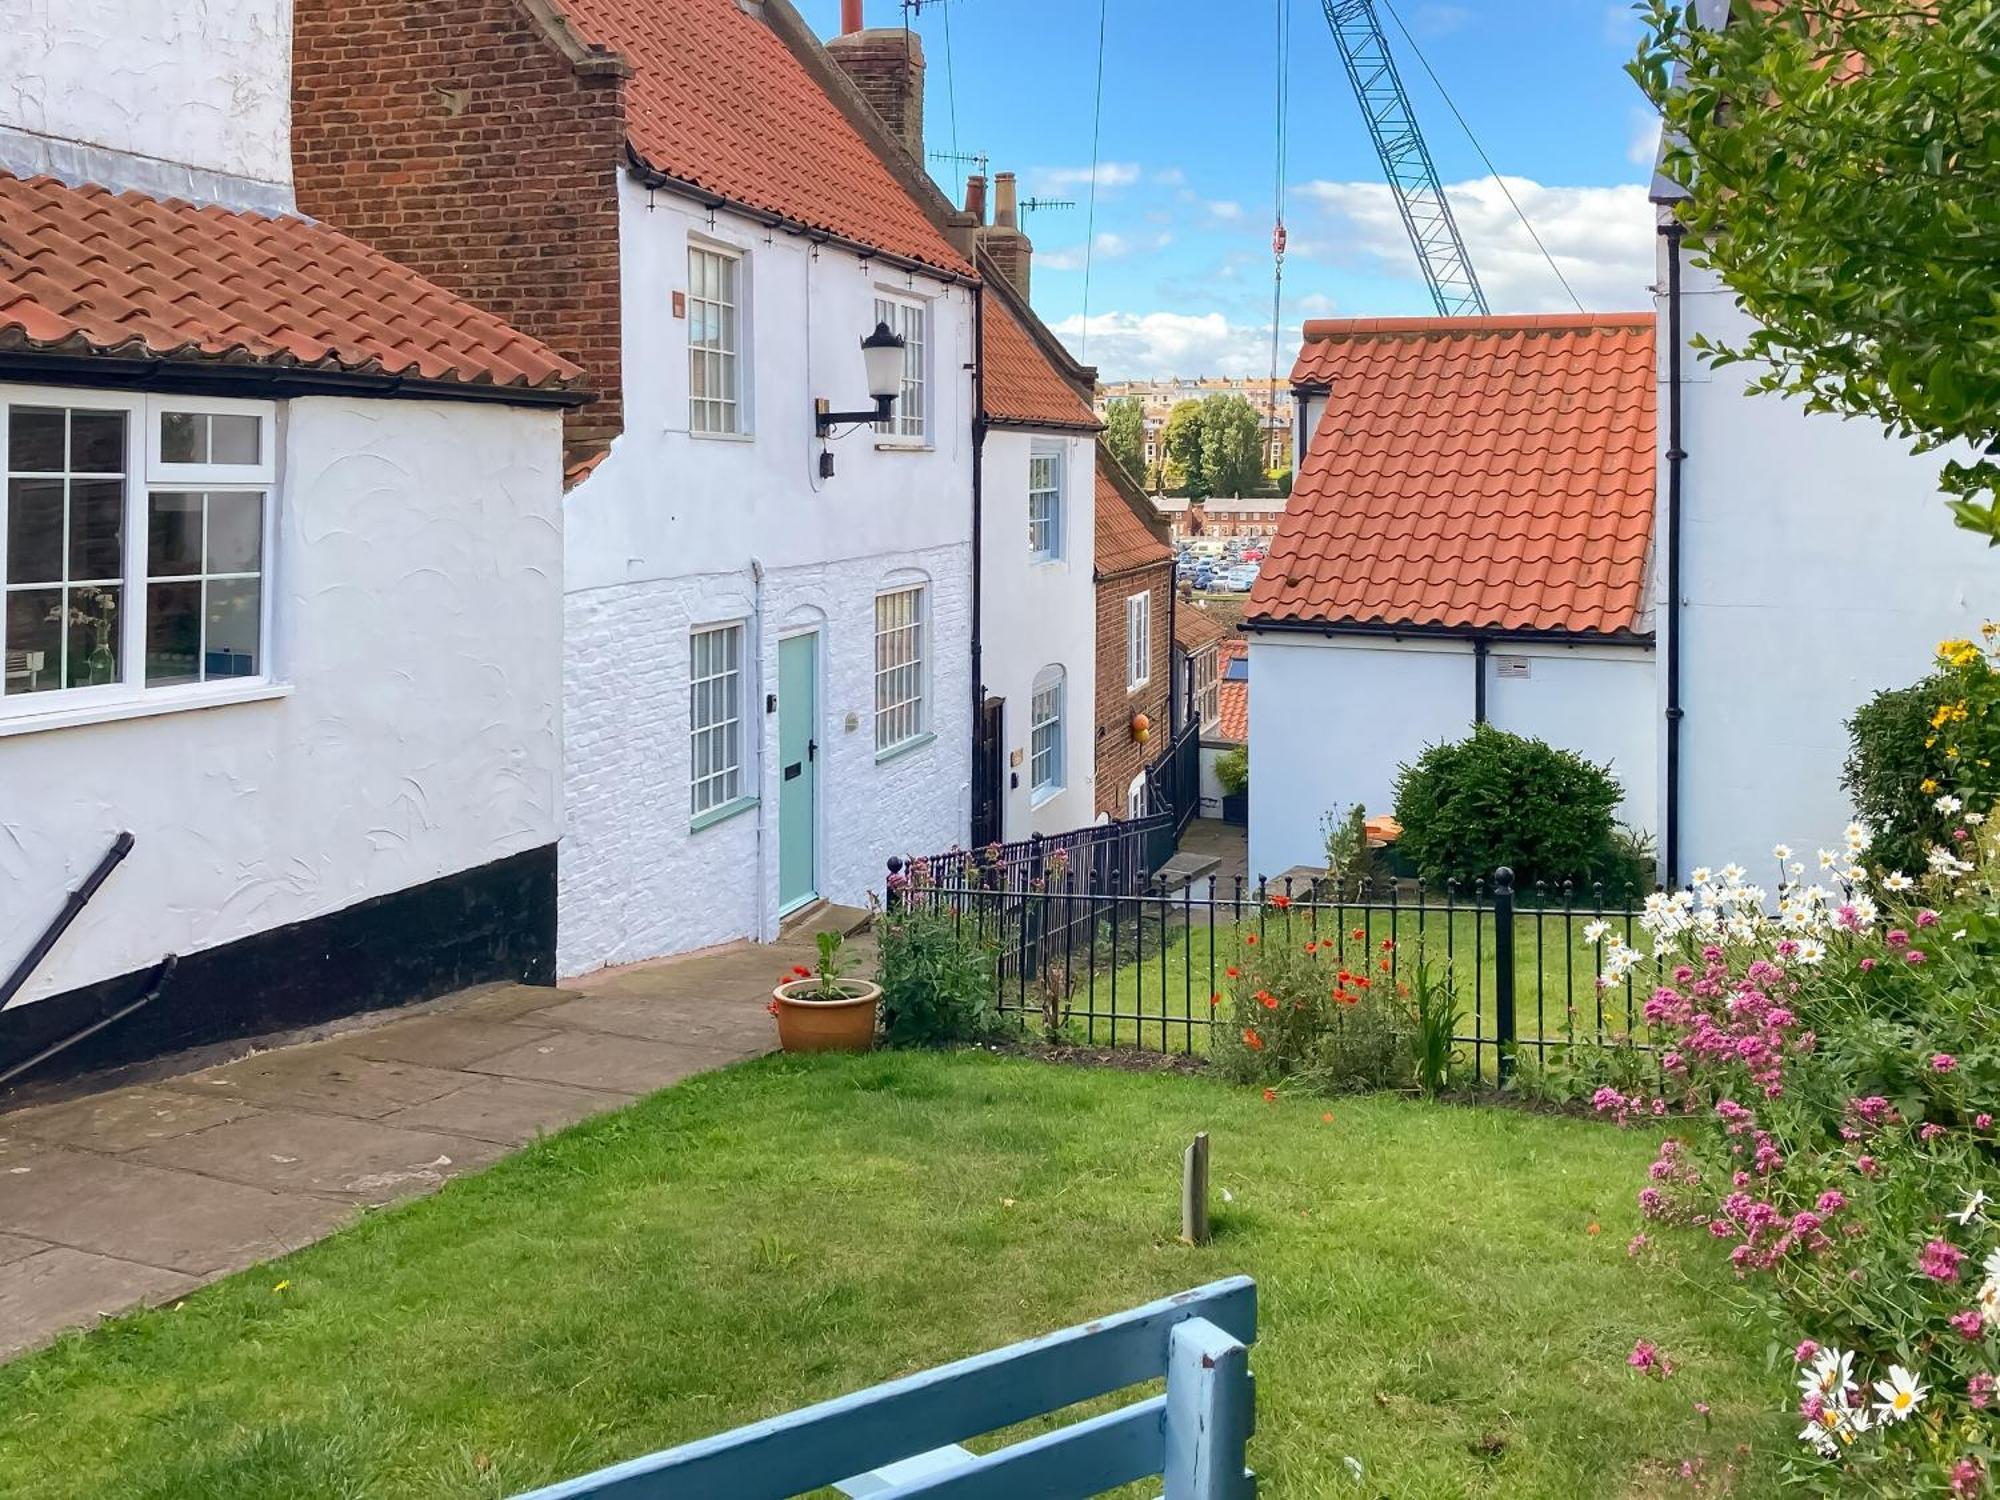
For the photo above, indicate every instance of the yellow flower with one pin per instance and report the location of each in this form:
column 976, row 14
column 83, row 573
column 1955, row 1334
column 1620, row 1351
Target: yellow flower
column 281, row 1286
column 1928, row 785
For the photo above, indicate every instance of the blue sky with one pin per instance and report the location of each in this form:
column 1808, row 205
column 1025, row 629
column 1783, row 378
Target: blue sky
column 1180, row 279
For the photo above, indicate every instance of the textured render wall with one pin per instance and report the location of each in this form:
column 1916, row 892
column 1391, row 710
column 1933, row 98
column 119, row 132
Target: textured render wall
column 1040, row 614
column 1332, row 722
column 454, row 137
column 664, row 534
column 207, row 85
column 1819, row 565
column 418, row 568
column 1119, row 756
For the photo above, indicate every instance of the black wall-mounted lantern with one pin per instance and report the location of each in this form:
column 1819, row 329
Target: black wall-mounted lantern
column 882, row 353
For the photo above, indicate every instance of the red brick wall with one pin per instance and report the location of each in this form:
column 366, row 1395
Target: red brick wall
column 1119, row 756
column 456, row 138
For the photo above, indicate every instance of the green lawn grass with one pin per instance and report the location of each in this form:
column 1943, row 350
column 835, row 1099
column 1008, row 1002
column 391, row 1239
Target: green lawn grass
column 1434, row 1304
column 1147, row 998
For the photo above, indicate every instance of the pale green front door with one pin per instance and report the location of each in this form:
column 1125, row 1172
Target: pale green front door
column 798, row 770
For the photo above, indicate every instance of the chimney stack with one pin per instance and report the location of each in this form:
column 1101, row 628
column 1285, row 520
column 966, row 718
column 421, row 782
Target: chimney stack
column 1009, row 249
column 975, row 198
column 886, row 64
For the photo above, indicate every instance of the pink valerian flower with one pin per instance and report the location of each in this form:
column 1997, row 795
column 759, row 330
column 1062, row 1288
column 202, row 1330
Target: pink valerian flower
column 1832, row 1201
column 1865, row 1165
column 1874, row 1110
column 1968, row 1323
column 1943, row 1062
column 1895, row 937
column 1967, row 1478
column 1868, row 966
column 1930, row 1130
column 1637, row 1243
column 1647, row 1359
column 1927, row 918
column 1979, row 1391
column 1806, row 1351
column 1941, row 1260
column 1983, row 1122
column 1914, row 956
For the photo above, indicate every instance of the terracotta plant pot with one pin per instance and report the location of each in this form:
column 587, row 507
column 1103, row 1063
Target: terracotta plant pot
column 809, row 1024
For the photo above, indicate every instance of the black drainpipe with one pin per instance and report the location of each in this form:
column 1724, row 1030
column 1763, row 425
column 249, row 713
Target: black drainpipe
column 1479, row 679
column 1676, row 456
column 978, row 507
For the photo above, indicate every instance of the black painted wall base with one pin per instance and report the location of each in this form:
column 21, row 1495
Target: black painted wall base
column 497, row 922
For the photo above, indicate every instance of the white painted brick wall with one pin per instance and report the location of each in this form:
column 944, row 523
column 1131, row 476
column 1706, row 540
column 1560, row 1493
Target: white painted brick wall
column 635, row 882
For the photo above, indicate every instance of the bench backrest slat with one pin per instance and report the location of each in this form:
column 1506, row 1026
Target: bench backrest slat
column 820, row 1445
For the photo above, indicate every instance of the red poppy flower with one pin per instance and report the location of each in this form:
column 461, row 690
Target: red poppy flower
column 1362, row 981
column 1359, row 933
column 1383, row 966
column 1250, row 938
column 1270, row 1096
column 1233, row 972
column 1253, row 1041
column 1312, row 947
column 1281, row 902
column 1327, row 1118
column 1388, row 945
column 1216, row 998
column 1266, row 999
column 802, row 971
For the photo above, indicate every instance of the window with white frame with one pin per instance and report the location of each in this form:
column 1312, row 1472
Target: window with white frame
column 1207, row 689
column 715, row 717
column 1138, row 641
column 714, row 319
column 899, row 667
column 911, row 418
column 1045, row 732
column 1045, row 504
column 134, row 537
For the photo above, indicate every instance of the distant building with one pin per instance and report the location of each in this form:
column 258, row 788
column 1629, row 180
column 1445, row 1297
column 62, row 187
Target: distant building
column 1158, row 398
column 1251, row 516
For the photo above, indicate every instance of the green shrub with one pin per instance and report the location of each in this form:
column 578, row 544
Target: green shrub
column 1349, row 860
column 1434, row 1025
column 1893, row 771
column 1232, row 770
column 937, row 976
column 1471, row 805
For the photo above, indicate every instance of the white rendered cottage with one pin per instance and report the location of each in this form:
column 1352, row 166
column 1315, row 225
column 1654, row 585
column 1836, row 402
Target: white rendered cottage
column 1467, row 542
column 281, row 545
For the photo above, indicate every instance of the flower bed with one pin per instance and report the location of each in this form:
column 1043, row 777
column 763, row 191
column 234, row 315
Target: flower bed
column 1830, row 1076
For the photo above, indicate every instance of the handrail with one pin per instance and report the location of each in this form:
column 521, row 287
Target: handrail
column 72, row 905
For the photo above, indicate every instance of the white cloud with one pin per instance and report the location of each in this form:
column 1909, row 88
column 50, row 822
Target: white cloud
column 1128, row 346
column 1110, row 246
column 1642, row 147
column 1110, row 174
column 1170, row 176
column 1224, row 210
column 1441, row 20
column 1601, row 237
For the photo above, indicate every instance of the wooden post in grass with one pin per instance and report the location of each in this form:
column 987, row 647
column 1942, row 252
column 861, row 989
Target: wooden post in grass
column 1194, row 1191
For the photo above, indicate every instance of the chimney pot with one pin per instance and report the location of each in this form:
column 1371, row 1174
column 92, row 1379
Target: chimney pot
column 886, row 67
column 1005, row 213
column 975, row 197
column 850, row 16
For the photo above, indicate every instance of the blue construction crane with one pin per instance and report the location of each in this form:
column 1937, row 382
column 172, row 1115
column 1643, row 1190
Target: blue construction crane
column 1405, row 158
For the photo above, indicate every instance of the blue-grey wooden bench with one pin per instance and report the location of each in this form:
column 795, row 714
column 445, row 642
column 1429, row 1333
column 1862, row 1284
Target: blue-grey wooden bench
column 901, row 1439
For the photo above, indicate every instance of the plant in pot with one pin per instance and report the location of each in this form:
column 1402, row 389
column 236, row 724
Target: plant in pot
column 820, row 1009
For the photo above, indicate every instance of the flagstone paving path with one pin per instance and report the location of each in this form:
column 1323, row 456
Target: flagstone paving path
column 143, row 1193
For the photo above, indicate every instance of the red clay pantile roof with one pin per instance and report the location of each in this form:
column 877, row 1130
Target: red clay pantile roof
column 1232, row 699
column 1124, row 541
column 719, row 100
column 1021, row 386
column 1195, row 629
column 1471, row 474
column 86, row 271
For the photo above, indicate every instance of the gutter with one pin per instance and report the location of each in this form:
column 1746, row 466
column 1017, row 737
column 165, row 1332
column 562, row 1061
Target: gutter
column 1479, row 679
column 652, row 177
column 1676, row 459
column 264, row 381
column 1378, row 631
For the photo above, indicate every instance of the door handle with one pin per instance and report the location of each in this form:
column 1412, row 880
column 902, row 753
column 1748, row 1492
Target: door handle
column 812, row 749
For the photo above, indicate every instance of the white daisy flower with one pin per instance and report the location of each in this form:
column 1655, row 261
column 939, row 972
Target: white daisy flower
column 1857, row 837
column 1901, row 1395
column 1988, row 1298
column 1593, row 933
column 1896, row 880
column 1992, row 1264
column 1781, row 852
column 1974, row 819
column 1828, row 859
column 1732, row 874
column 1947, row 804
column 1957, row 934
column 1972, row 1207
column 1699, row 875
column 1798, row 867
column 1830, row 1376
column 1811, row 951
